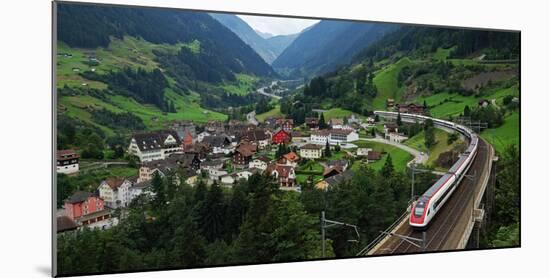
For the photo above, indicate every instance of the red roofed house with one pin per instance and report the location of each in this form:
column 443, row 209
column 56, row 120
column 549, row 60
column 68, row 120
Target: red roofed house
column 289, row 159
column 285, row 175
column 82, row 203
column 281, row 136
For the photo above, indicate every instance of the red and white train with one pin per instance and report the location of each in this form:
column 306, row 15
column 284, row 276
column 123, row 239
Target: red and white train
column 427, row 205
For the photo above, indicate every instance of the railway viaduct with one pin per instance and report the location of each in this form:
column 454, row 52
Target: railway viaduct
column 457, row 225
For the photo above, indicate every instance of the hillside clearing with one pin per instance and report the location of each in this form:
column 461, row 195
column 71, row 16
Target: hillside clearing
column 505, row 135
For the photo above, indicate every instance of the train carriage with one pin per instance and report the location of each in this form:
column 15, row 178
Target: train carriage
column 427, row 205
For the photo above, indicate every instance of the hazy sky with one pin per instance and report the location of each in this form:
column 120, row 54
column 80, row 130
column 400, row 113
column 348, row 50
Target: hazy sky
column 277, row 25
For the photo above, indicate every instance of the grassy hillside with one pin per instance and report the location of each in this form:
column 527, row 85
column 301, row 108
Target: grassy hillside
column 506, row 134
column 441, row 146
column 336, row 113
column 133, row 53
column 274, row 113
column 386, row 82
column 187, row 108
column 243, row 86
column 128, row 52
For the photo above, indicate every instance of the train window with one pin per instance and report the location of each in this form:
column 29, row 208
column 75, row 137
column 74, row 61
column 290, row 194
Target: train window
column 419, row 208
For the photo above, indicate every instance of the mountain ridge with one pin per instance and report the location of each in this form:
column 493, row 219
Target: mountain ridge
column 318, row 49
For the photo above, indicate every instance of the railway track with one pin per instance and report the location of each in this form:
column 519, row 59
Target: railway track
column 442, row 225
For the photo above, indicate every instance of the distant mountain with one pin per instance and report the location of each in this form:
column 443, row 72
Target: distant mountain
column 281, row 42
column 247, row 34
column 222, row 52
column 264, row 35
column 327, row 45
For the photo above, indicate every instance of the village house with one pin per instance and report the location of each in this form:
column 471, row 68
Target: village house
column 281, row 137
column 390, row 102
column 245, row 174
column 411, row 108
column 172, row 163
column 312, row 123
column 212, row 164
column 334, row 180
column 243, row 154
column 259, row 163
column 320, row 137
column 285, row 124
column 285, row 175
column 199, row 149
column 67, row 162
column 289, row 159
column 139, row 188
column 154, row 145
column 216, row 174
column 214, row 127
column 65, row 224
column 395, row 137
column 391, row 127
column 333, row 136
column 82, row 203
column 374, row 156
column 363, row 152
column 340, row 163
column 336, row 123
column 256, row 136
column 270, row 123
column 339, row 136
column 115, row 192
column 102, row 219
column 332, row 171
column 203, row 134
column 236, row 129
column 184, row 129
column 311, row 151
column 218, row 144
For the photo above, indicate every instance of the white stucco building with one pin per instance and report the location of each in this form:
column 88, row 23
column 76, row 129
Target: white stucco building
column 154, row 145
column 115, row 192
column 311, row 151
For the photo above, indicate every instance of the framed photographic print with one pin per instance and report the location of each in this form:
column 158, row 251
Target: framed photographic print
column 191, row 139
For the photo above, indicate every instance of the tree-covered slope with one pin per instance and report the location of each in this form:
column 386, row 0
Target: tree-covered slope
column 327, row 45
column 91, row 26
